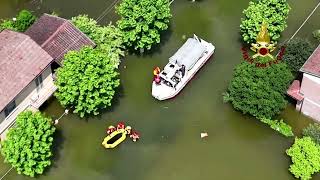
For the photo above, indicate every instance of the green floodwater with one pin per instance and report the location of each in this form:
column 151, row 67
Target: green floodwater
column 238, row 147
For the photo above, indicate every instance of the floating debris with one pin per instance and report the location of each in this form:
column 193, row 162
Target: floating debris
column 203, row 135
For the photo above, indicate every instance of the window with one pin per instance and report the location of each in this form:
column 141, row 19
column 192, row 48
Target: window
column 39, row 82
column 10, row 107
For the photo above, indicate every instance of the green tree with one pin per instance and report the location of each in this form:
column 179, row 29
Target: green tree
column 279, row 126
column 142, row 22
column 87, row 81
column 296, row 53
column 316, row 34
column 28, row 144
column 273, row 12
column 313, row 131
column 108, row 39
column 21, row 23
column 259, row 91
column 305, row 156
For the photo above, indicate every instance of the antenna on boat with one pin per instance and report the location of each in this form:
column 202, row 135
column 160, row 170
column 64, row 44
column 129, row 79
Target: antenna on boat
column 196, row 37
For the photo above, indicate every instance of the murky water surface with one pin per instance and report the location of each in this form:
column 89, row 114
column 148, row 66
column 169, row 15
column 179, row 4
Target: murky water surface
column 238, row 146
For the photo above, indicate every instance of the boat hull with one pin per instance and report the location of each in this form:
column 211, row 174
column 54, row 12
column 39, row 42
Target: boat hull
column 122, row 136
column 163, row 92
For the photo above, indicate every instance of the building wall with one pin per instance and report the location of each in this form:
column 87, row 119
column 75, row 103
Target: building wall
column 310, row 88
column 311, row 109
column 25, row 99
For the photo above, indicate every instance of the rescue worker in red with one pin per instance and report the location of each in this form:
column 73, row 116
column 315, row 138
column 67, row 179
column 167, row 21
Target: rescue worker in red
column 110, row 129
column 120, row 125
column 135, row 136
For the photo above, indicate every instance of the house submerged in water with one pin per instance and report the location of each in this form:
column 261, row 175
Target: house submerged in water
column 27, row 63
column 307, row 91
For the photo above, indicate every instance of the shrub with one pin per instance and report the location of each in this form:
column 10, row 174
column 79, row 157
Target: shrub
column 108, row 39
column 296, row 53
column 28, row 144
column 273, row 12
column 305, row 156
column 279, row 126
column 23, row 21
column 259, row 91
column 142, row 22
column 87, row 81
column 316, row 34
column 313, row 131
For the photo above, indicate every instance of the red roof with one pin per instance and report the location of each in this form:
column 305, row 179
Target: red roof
column 57, row 36
column 294, row 90
column 312, row 65
column 21, row 60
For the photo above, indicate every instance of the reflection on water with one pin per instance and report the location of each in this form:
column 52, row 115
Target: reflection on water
column 238, row 146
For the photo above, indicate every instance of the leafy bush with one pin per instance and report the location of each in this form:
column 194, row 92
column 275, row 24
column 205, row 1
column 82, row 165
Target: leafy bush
column 305, row 156
column 273, row 12
column 279, row 126
column 313, row 131
column 87, row 25
column 296, row 53
column 142, row 21
column 108, row 39
column 28, row 144
column 87, row 81
column 316, row 34
column 22, row 22
column 259, row 91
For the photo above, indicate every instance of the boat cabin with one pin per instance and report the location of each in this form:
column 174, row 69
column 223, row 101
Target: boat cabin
column 182, row 61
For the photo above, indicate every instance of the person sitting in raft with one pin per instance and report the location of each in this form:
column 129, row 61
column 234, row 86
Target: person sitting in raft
column 120, row 125
column 128, row 130
column 110, row 129
column 135, row 136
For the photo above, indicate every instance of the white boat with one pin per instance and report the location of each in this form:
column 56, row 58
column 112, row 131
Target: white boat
column 182, row 66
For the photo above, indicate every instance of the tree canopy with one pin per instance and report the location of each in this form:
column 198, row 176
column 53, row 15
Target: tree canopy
column 109, row 39
column 272, row 12
column 21, row 23
column 87, row 81
column 259, row 91
column 296, row 54
column 305, row 156
column 28, row 144
column 313, row 131
column 142, row 21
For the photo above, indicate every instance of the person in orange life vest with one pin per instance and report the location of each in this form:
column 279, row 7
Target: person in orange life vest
column 156, row 71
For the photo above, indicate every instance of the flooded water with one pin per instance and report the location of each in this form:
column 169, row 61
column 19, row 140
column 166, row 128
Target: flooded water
column 238, row 146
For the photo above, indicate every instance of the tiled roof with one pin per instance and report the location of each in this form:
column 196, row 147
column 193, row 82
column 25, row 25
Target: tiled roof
column 57, row 36
column 21, row 60
column 312, row 65
column 294, row 90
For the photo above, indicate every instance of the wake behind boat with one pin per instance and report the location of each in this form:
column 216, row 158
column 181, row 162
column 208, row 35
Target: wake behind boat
column 182, row 66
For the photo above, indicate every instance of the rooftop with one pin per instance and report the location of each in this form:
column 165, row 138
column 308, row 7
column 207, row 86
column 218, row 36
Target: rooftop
column 21, row 61
column 57, row 36
column 294, row 90
column 312, row 65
